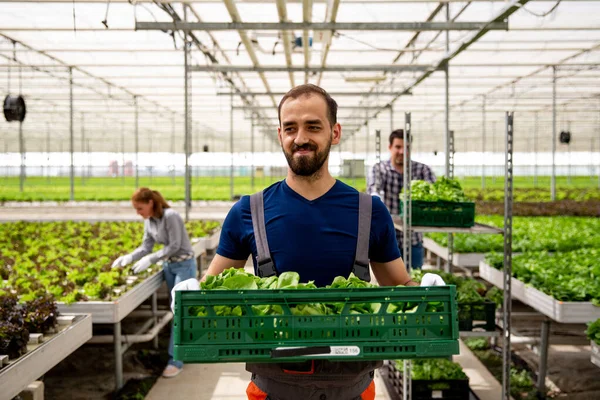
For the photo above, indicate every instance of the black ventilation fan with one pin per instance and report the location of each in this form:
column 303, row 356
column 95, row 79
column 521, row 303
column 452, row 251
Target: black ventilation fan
column 14, row 108
column 564, row 137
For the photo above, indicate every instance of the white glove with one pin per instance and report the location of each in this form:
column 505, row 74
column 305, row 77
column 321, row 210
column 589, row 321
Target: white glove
column 432, row 280
column 142, row 264
column 122, row 261
column 189, row 284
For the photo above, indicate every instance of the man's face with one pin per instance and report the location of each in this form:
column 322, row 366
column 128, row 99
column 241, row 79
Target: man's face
column 305, row 134
column 397, row 151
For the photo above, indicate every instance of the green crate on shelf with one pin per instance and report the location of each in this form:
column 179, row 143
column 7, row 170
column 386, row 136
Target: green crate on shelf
column 442, row 213
column 477, row 316
column 428, row 329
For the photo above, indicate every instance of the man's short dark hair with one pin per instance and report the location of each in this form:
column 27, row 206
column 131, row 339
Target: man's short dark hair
column 309, row 89
column 398, row 134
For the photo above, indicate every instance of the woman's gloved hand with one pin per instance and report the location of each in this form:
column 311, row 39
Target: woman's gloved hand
column 142, row 264
column 122, row 261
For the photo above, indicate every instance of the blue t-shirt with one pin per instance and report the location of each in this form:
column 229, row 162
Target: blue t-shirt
column 315, row 238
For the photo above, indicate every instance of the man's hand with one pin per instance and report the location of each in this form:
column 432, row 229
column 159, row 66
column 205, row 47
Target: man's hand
column 189, row 284
column 142, row 264
column 432, row 280
column 122, row 261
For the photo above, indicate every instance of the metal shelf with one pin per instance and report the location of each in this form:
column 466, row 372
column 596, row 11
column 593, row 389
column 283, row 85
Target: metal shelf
column 201, row 244
column 110, row 312
column 478, row 334
column 41, row 357
column 465, row 260
column 566, row 312
column 595, row 354
column 477, row 228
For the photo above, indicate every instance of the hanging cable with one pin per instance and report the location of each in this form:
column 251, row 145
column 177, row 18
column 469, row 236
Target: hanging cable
column 105, row 20
column 74, row 19
column 544, row 14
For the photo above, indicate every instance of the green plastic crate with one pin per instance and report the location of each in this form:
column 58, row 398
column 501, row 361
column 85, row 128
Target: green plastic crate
column 442, row 213
column 288, row 338
column 477, row 316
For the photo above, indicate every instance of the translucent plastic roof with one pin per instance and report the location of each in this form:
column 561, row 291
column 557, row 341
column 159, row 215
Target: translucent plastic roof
column 499, row 71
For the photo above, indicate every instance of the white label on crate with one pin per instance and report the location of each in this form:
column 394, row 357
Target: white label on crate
column 342, row 351
column 334, row 351
column 437, row 394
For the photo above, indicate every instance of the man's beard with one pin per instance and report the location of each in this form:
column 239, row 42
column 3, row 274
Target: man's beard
column 307, row 165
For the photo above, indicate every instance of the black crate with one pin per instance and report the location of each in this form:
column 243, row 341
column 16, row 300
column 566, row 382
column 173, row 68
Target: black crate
column 477, row 316
column 423, row 390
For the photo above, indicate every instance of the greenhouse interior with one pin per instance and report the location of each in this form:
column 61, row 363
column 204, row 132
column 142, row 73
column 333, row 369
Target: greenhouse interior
column 208, row 199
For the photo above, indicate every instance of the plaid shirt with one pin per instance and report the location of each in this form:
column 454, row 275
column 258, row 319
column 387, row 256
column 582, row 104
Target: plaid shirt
column 390, row 185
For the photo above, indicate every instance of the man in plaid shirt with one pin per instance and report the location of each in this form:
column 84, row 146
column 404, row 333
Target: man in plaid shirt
column 386, row 181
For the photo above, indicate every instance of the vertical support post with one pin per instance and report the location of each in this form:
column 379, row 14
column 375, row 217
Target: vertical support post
column 22, row 152
column 406, row 380
column 535, row 150
column 137, row 142
column 231, row 144
column 252, row 155
column 569, row 156
column 553, row 180
column 48, row 151
column 352, row 172
column 155, row 316
column 71, row 134
column 545, row 333
column 447, row 99
column 391, row 117
column 508, row 220
column 592, row 147
column 483, row 143
column 118, row 356
column 186, row 55
column 406, row 198
column 123, row 153
column 366, row 137
column 450, row 158
column 341, row 161
column 82, row 146
column 22, row 172
column 378, row 185
column 89, row 157
column 264, row 151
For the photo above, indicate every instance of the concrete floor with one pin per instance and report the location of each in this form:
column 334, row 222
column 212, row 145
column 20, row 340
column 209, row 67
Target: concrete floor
column 229, row 381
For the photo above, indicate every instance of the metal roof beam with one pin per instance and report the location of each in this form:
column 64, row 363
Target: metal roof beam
column 306, row 45
column 331, row 15
column 333, row 94
column 321, row 26
column 287, row 39
column 331, row 68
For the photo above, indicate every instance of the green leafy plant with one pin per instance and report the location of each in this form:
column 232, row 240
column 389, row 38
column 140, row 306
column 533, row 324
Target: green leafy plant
column 72, row 260
column 443, row 189
column 566, row 276
column 434, row 369
column 593, row 331
column 529, row 234
column 238, row 279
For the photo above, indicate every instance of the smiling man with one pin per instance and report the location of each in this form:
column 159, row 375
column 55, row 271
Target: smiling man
column 321, row 228
column 387, row 179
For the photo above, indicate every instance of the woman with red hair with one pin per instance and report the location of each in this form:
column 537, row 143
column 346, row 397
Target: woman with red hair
column 162, row 225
